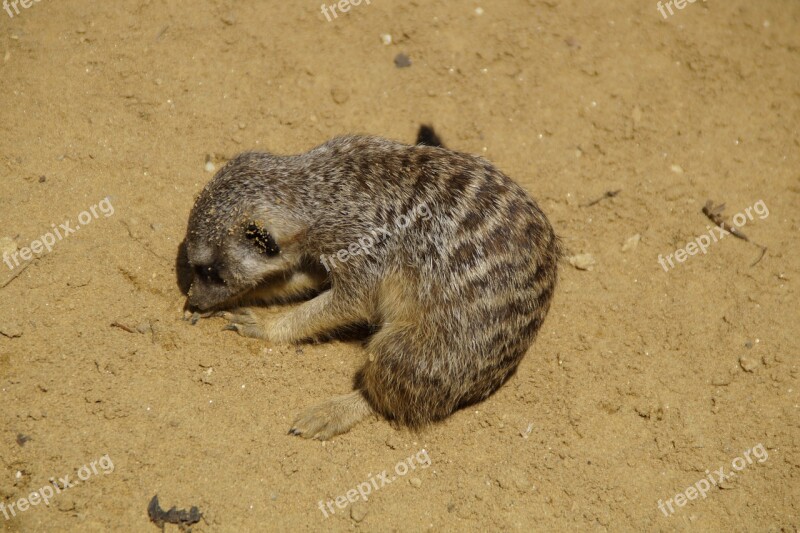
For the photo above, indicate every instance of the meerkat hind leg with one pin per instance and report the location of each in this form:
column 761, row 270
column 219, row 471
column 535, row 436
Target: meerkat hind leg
column 332, row 417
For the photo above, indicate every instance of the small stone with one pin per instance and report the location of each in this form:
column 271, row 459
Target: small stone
column 359, row 511
column 527, row 432
column 402, row 61
column 12, row 330
column 582, row 261
column 748, row 362
column 66, row 503
column 416, row 482
column 7, row 245
column 479, row 11
column 677, row 169
column 144, row 327
column 386, row 39
column 209, row 167
column 42, row 179
column 631, row 243
column 340, row 96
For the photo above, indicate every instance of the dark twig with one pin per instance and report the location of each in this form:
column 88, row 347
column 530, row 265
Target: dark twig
column 714, row 213
column 15, row 274
column 760, row 257
column 123, row 327
column 608, row 194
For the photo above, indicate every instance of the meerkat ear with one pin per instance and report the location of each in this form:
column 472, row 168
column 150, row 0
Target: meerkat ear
column 262, row 239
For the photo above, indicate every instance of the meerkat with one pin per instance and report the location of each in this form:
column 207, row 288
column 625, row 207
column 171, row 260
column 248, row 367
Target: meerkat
column 450, row 261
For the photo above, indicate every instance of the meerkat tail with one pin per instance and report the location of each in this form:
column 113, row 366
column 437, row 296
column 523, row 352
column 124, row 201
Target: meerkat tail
column 428, row 137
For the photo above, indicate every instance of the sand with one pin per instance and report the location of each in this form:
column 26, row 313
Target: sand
column 643, row 377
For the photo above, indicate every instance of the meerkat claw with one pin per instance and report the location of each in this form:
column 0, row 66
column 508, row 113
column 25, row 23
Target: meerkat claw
column 245, row 324
column 194, row 317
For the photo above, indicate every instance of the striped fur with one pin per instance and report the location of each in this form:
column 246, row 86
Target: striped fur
column 457, row 297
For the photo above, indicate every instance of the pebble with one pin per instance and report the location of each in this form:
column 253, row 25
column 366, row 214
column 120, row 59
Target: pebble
column 416, row 482
column 525, row 434
column 359, row 511
column 340, row 96
column 631, row 243
column 12, row 330
column 392, row 442
column 402, row 61
column 386, row 39
column 748, row 362
column 66, row 503
column 7, row 245
column 582, row 261
column 677, row 169
column 209, row 167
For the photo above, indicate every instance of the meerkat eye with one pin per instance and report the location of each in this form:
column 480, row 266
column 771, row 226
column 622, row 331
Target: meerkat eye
column 208, row 274
column 262, row 239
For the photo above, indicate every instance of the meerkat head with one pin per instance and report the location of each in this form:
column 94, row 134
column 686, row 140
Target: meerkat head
column 238, row 239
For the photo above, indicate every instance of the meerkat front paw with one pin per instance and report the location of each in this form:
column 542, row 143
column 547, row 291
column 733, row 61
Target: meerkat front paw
column 245, row 323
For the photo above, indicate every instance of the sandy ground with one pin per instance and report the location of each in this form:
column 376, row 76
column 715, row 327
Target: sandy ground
column 641, row 380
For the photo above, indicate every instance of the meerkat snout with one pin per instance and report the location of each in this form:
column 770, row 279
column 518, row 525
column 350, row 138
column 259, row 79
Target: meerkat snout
column 240, row 261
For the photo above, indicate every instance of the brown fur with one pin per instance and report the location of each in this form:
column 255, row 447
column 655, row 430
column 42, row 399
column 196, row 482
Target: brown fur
column 457, row 296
